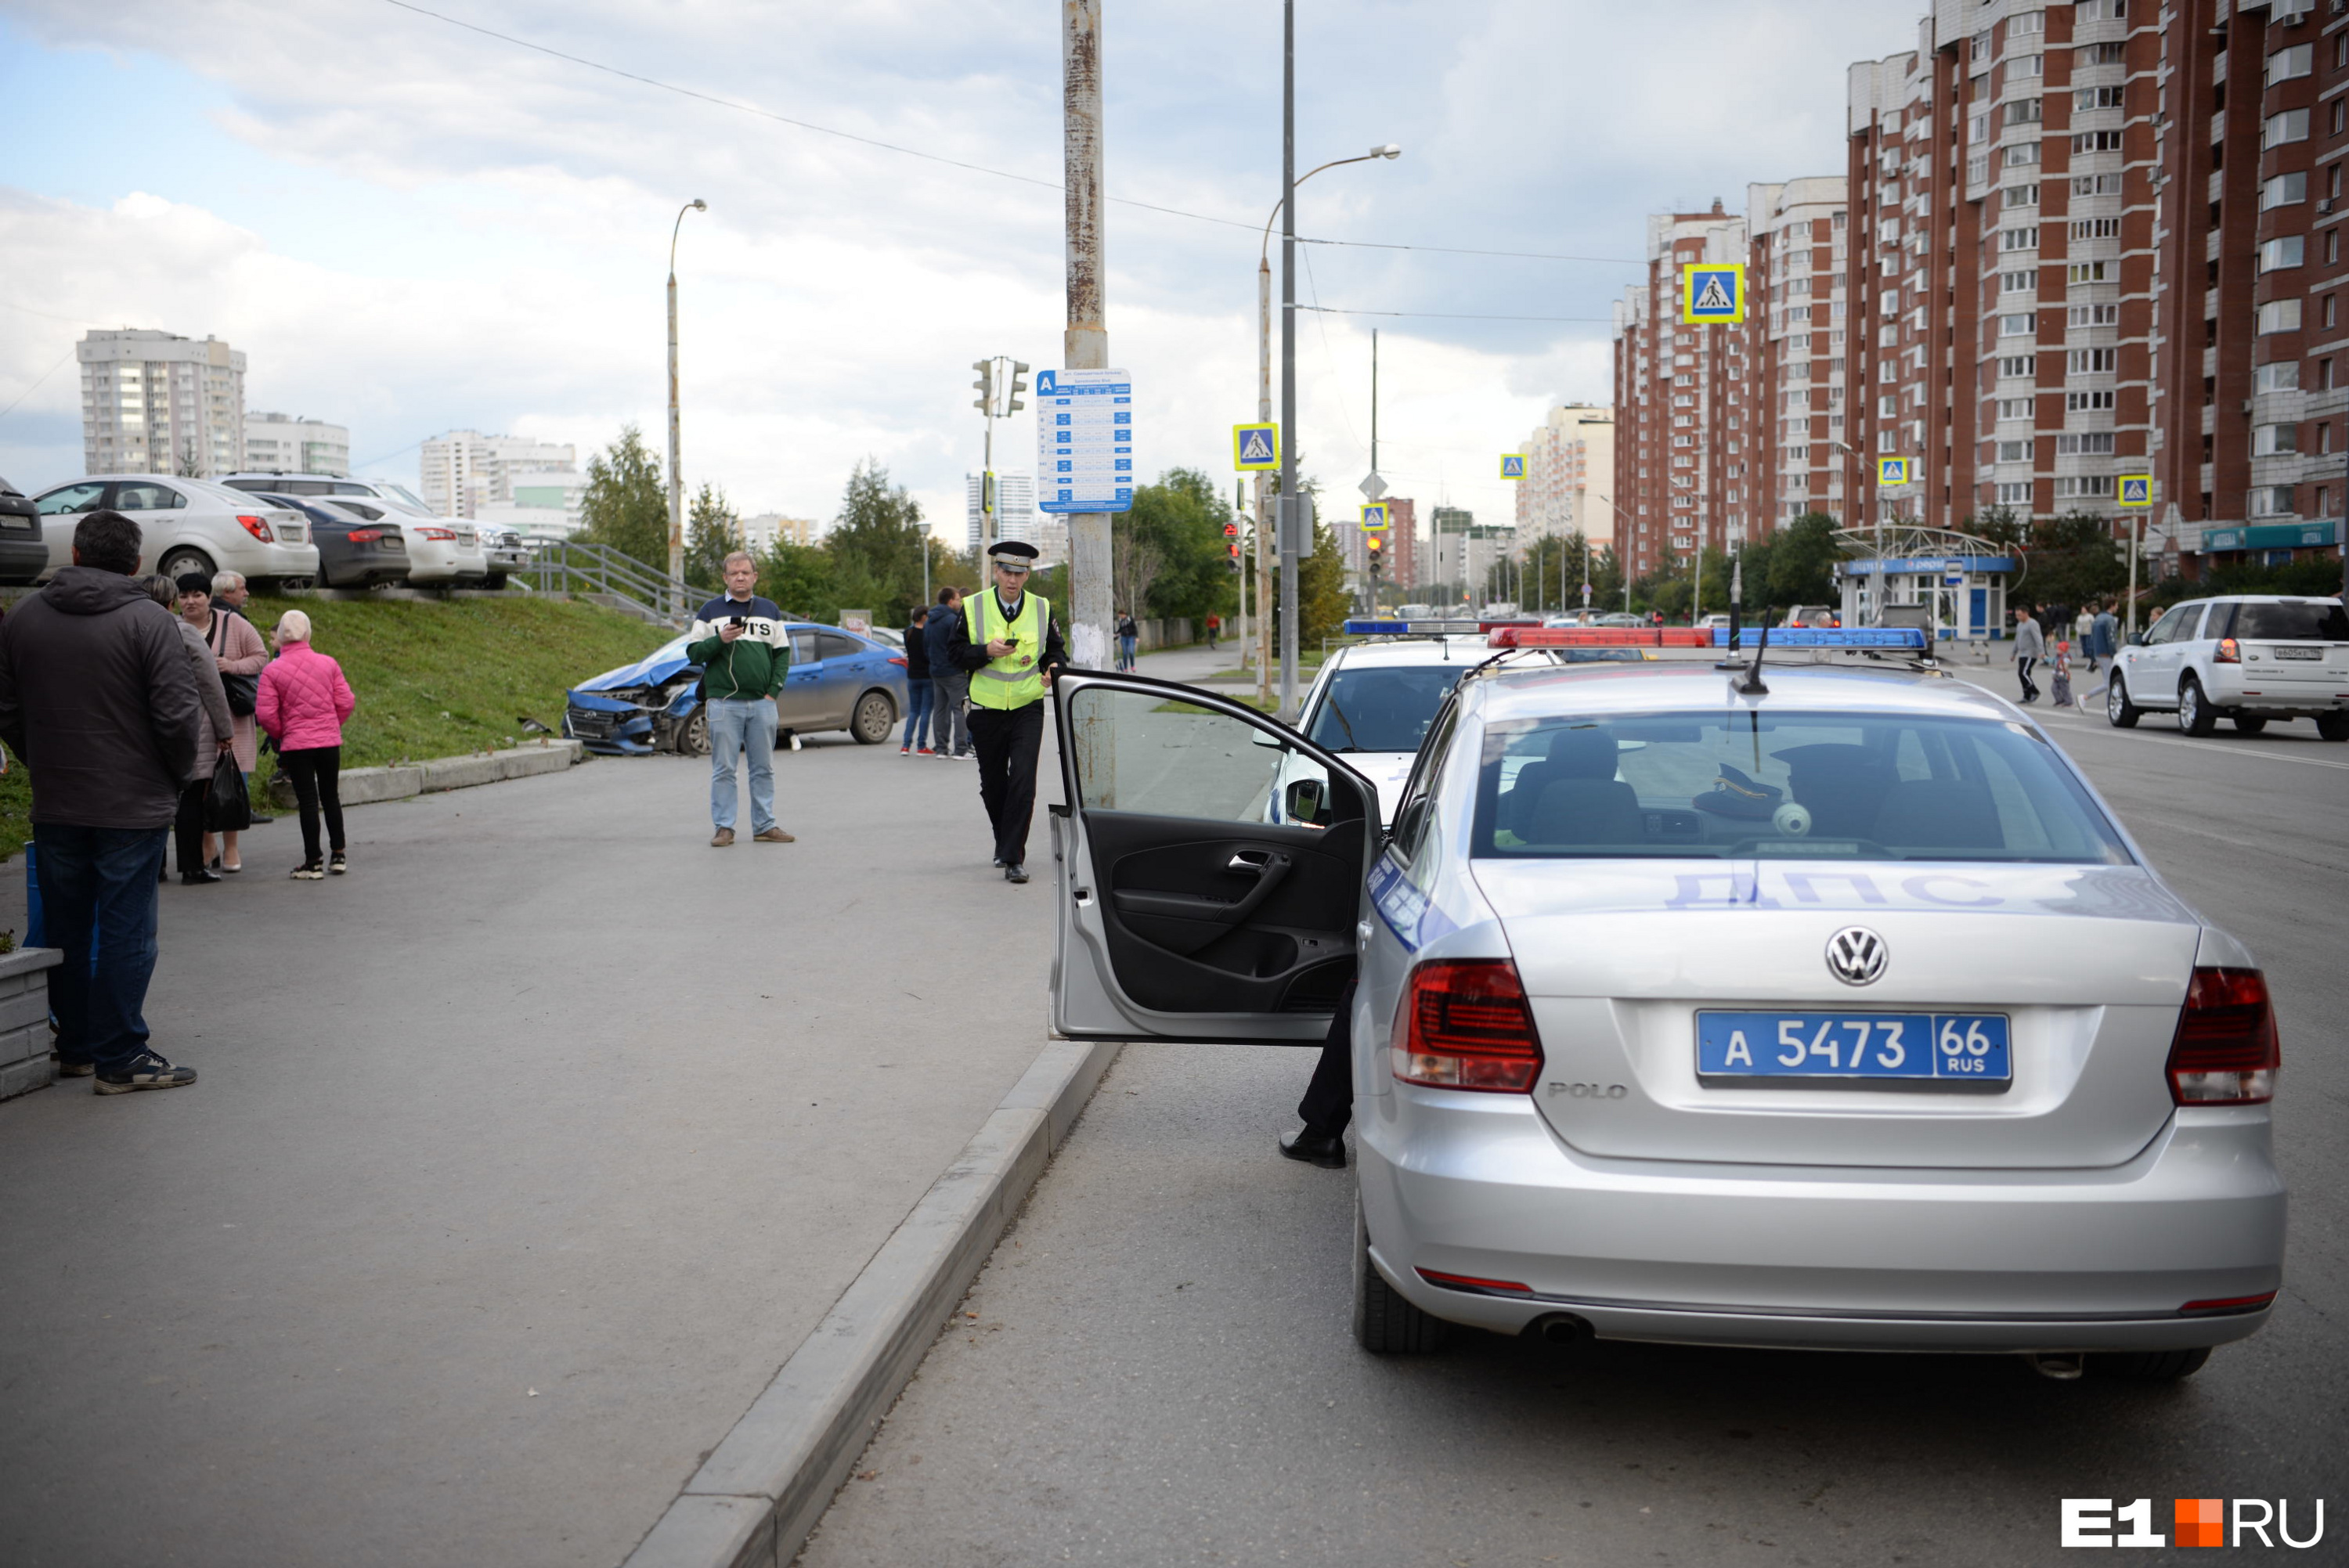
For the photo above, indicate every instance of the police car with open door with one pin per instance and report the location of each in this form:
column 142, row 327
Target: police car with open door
column 1826, row 1008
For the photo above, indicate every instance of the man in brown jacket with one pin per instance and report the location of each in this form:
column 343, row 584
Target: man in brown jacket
column 97, row 698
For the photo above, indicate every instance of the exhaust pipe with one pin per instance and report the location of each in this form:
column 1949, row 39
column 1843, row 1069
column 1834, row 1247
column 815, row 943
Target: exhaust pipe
column 2059, row 1366
column 1560, row 1329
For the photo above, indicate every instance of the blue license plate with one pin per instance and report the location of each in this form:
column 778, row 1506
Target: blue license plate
column 1949, row 1048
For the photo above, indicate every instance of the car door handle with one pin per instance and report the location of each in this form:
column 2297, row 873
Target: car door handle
column 1253, row 862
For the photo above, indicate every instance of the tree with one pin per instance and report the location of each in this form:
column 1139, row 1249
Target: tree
column 624, row 506
column 713, row 532
column 2073, row 559
column 1169, row 550
column 876, row 546
column 1802, row 560
column 1321, row 598
column 798, row 578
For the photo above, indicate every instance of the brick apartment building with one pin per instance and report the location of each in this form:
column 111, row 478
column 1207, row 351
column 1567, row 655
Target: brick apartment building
column 1399, row 564
column 2081, row 241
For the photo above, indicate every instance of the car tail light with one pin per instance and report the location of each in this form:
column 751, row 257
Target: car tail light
column 2225, row 1051
column 1464, row 1024
column 1470, row 1282
column 2230, row 651
column 445, row 535
column 2266, row 1298
column 364, row 535
column 255, row 527
column 899, row 662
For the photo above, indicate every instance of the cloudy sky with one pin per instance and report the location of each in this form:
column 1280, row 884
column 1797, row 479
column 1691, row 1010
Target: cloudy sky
column 410, row 227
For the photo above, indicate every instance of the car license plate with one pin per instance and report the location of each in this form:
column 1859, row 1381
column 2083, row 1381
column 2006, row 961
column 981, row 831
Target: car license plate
column 2300, row 653
column 1953, row 1047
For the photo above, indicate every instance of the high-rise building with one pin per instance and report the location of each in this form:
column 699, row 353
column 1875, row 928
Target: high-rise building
column 463, row 470
column 1683, row 435
column 762, row 532
column 1403, row 542
column 156, row 403
column 1797, row 330
column 1569, row 458
column 1463, row 555
column 283, row 444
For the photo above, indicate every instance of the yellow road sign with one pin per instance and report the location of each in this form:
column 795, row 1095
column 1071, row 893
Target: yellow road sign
column 1891, row 472
column 1255, row 448
column 2136, row 490
column 1513, row 465
column 1713, row 291
column 1374, row 517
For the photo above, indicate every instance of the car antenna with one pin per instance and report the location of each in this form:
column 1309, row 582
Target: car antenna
column 1752, row 685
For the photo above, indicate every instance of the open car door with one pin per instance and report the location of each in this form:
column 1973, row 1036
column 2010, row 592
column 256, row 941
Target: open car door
column 1186, row 912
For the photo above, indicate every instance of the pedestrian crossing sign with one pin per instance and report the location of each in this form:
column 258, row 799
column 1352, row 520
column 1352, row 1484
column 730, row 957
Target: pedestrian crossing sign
column 1374, row 517
column 2136, row 490
column 1255, row 448
column 1713, row 291
column 1892, row 471
column 1513, row 465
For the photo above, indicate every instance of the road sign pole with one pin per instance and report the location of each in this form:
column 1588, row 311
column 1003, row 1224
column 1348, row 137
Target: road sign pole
column 1290, row 555
column 1263, row 509
column 1086, row 341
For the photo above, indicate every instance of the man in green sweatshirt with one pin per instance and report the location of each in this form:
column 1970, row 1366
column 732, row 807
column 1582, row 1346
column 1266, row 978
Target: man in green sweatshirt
column 744, row 652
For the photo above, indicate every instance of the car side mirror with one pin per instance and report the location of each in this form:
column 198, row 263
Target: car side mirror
column 2136, row 639
column 1266, row 738
column 1304, row 801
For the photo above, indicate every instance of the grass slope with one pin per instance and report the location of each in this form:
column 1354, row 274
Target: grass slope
column 433, row 679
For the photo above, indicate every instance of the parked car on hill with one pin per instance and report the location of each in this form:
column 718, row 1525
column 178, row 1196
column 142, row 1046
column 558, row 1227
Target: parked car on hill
column 838, row 680
column 435, row 558
column 23, row 557
column 470, row 564
column 353, row 552
column 186, row 525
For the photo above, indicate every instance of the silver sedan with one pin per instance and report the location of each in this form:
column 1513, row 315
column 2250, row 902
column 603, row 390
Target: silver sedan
column 1840, row 1015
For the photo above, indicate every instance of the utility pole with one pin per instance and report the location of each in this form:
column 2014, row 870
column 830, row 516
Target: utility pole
column 1263, row 509
column 675, row 475
column 1291, row 503
column 1373, row 556
column 1086, row 342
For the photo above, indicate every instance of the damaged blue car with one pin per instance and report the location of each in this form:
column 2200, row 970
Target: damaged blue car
column 837, row 680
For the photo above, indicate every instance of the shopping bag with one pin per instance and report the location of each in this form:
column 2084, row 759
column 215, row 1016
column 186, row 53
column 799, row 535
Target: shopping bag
column 227, row 808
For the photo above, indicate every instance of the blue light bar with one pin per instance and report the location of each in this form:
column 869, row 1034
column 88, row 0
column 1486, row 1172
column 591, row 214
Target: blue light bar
column 1912, row 638
column 1370, row 628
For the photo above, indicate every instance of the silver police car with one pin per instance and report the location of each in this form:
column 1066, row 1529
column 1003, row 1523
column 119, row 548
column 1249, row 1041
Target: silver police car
column 1827, row 1009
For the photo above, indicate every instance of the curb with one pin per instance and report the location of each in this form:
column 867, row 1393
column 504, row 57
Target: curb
column 761, row 1493
column 369, row 786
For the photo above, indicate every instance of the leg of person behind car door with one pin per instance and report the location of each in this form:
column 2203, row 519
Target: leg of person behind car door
column 1327, row 1107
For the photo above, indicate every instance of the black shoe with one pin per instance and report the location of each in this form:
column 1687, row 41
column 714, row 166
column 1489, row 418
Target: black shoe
column 198, row 878
column 258, row 819
column 147, row 1070
column 1015, row 873
column 335, row 864
column 1315, row 1149
column 997, row 862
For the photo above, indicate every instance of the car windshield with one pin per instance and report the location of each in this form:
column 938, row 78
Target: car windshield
column 2314, row 622
column 399, row 496
column 1382, row 710
column 1790, row 786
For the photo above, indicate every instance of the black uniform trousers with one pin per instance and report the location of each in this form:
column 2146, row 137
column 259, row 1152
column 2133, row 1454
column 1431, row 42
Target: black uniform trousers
column 1006, row 742
column 1328, row 1107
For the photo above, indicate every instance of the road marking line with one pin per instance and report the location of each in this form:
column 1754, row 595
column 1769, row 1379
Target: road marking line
column 2087, row 727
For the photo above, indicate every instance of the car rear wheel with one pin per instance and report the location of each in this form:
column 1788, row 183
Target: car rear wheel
column 177, row 564
column 494, row 580
column 2119, row 712
column 876, row 716
column 2248, row 724
column 2195, row 716
column 2150, row 1366
column 693, row 735
column 2332, row 726
column 1384, row 1323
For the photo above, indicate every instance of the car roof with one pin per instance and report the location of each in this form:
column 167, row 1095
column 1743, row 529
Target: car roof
column 1461, row 650
column 1543, row 691
column 2262, row 599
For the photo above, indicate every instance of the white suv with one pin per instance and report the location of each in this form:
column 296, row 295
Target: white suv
column 2248, row 657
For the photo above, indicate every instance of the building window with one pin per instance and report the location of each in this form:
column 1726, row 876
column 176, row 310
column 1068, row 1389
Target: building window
column 2025, row 239
column 2269, row 501
column 2017, row 326
column 2015, row 451
column 2014, row 494
column 2096, row 98
column 2331, row 246
column 2280, row 316
column 2093, row 315
column 2072, row 487
column 2110, row 140
column 2288, row 251
column 2025, row 154
column 2018, row 283
column 2087, row 402
column 2338, row 106
column 2099, row 54
column 2015, row 408
column 2019, row 196
column 2091, row 361
column 2090, row 272
column 2087, row 443
column 2270, row 440
column 2298, row 61
column 2284, row 190
column 2023, row 66
column 2283, row 376
column 2028, row 24
column 2024, row 111
column 2097, row 185
column 2096, row 229
column 2289, row 126
column 2018, row 364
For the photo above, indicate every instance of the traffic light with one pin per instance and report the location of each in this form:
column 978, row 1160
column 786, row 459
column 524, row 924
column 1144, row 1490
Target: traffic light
column 1019, row 385
column 1233, row 550
column 985, row 384
column 1377, row 548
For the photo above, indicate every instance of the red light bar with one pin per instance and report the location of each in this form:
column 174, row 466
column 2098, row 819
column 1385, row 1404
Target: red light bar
column 1600, row 637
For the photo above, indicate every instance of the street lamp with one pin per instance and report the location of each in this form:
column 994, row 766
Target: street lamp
column 1289, row 182
column 676, row 480
column 1620, row 560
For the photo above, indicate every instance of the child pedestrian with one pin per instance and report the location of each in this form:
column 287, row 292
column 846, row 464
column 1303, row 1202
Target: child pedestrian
column 2064, row 674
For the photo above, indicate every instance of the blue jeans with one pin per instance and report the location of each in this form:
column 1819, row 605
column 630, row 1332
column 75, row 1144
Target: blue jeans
column 740, row 728
column 99, row 884
column 918, row 697
column 1126, row 653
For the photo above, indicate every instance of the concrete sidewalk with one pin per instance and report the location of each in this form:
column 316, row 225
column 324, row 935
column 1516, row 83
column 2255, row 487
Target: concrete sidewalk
column 523, row 1157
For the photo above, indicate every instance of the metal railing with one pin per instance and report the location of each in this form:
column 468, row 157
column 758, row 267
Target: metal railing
column 560, row 565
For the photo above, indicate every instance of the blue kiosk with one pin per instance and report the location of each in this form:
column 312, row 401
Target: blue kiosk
column 1960, row 580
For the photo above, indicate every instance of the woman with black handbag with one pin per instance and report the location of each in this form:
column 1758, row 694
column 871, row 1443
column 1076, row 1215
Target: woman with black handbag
column 237, row 646
column 213, row 725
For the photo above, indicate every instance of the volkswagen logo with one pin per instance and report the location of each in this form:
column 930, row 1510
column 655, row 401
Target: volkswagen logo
column 1856, row 955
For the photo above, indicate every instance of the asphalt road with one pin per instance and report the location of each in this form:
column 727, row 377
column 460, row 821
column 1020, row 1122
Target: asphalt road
column 1156, row 1367
column 522, row 1158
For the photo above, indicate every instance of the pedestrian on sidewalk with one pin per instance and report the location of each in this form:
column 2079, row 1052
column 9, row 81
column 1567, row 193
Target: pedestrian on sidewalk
column 744, row 652
column 2030, row 647
column 212, row 732
column 1214, row 630
column 242, row 656
column 1128, row 635
column 97, row 698
column 1012, row 649
column 919, row 695
column 303, row 703
column 949, row 684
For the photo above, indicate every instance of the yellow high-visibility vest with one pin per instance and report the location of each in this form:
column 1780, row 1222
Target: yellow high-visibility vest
column 1016, row 679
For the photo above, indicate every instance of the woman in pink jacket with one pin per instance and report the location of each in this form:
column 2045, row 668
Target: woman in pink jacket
column 302, row 702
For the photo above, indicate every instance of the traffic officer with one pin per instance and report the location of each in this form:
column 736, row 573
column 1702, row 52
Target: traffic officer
column 1009, row 643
